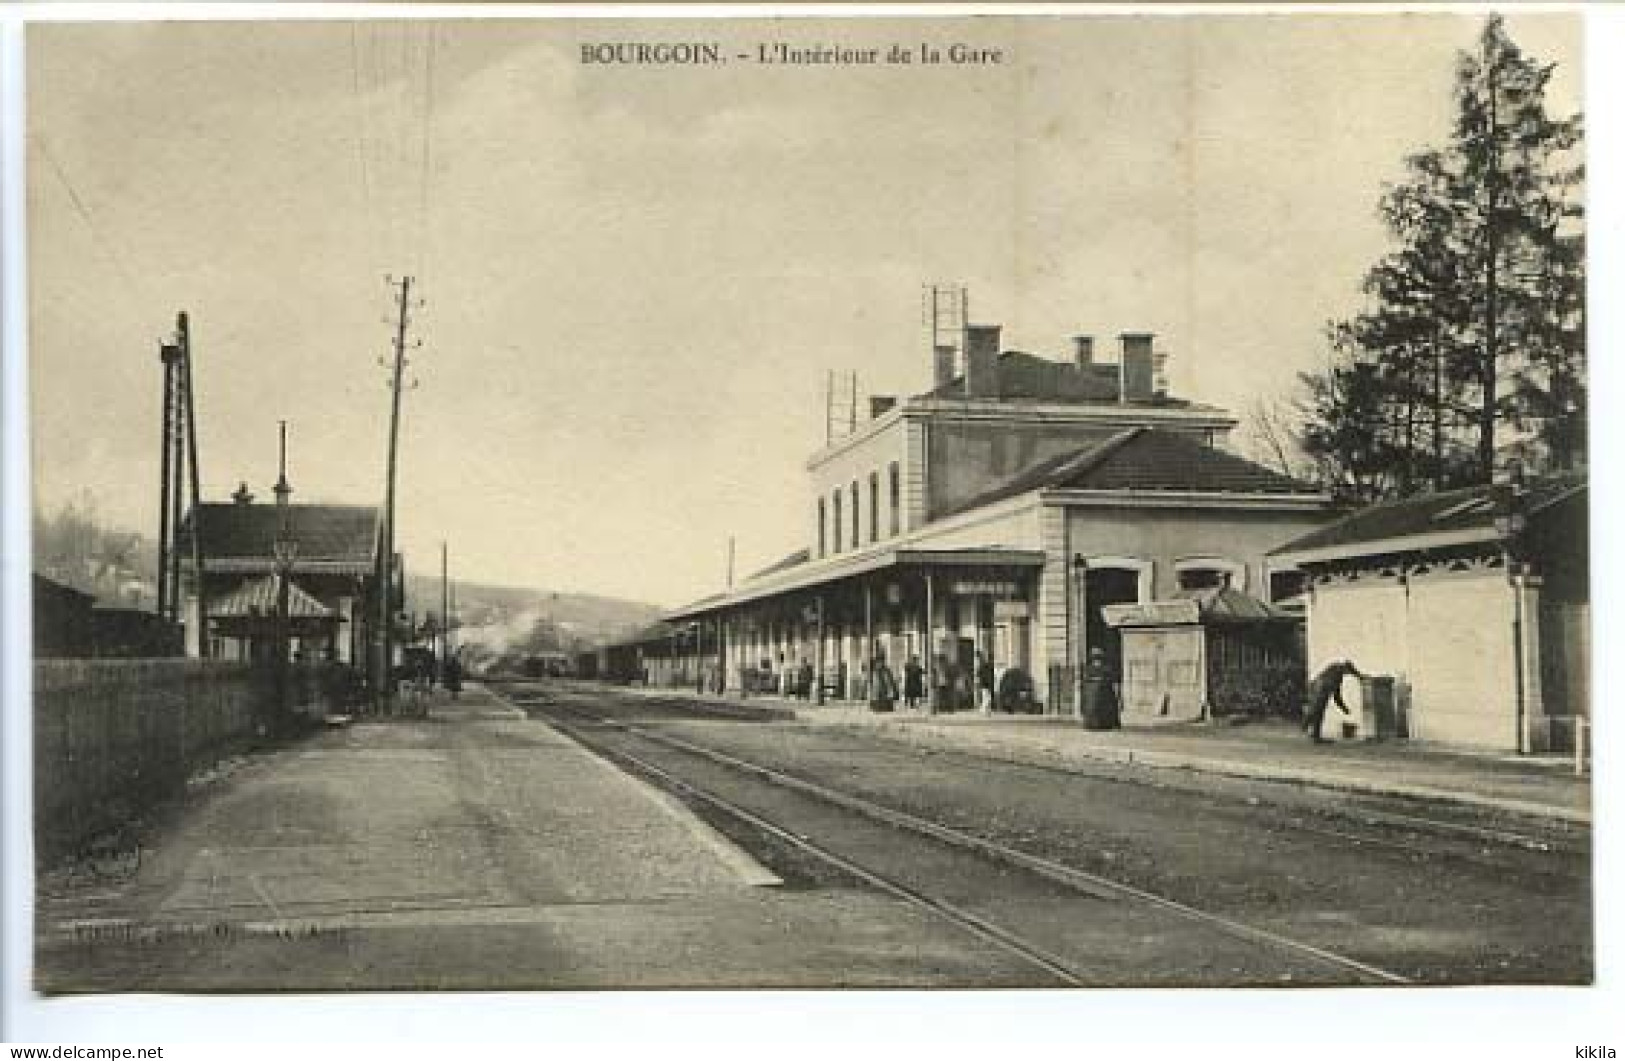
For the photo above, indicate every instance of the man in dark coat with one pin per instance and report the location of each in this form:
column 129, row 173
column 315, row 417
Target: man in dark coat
column 913, row 682
column 1326, row 687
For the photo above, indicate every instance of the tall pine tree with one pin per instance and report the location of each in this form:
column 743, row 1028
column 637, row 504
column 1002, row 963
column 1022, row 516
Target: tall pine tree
column 1472, row 352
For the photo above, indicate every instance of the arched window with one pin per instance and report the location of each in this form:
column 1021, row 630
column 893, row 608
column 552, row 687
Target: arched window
column 1287, row 583
column 895, row 475
column 1136, row 574
column 1209, row 572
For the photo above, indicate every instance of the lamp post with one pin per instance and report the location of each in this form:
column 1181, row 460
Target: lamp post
column 284, row 551
column 1080, row 625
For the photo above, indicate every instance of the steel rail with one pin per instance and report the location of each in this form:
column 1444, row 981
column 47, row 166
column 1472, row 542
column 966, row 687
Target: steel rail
column 964, row 919
column 1363, row 816
column 1554, row 844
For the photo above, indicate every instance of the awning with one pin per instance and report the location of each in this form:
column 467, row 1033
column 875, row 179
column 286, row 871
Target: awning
column 838, row 568
column 1216, row 605
column 258, row 598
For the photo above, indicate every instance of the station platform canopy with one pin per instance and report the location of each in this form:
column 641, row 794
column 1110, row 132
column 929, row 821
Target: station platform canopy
column 830, row 572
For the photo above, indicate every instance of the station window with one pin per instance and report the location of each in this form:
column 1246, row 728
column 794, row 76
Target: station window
column 836, row 522
column 1210, row 573
column 823, row 529
column 874, row 506
column 1284, row 585
column 895, row 487
column 1201, row 578
column 857, row 522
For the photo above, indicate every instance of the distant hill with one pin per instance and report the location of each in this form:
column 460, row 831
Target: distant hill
column 508, row 621
column 74, row 545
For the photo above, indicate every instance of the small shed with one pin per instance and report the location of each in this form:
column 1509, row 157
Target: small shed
column 1476, row 601
column 62, row 627
column 1208, row 653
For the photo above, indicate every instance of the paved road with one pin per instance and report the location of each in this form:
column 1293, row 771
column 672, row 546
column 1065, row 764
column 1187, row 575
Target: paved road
column 485, row 849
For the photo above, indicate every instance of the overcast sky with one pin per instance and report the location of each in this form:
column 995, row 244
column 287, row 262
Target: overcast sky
column 638, row 277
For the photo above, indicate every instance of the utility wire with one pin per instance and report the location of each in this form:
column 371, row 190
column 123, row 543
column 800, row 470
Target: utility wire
column 367, row 208
column 131, row 290
column 427, row 153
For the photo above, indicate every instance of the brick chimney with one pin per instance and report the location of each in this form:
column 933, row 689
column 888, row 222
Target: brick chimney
column 1083, row 352
column 1136, row 369
column 942, row 372
column 982, row 360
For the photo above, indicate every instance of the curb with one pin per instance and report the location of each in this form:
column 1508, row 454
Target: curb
column 916, row 733
column 923, row 732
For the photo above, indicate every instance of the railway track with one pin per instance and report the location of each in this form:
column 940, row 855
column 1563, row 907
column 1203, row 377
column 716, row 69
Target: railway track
column 673, row 762
column 1405, row 831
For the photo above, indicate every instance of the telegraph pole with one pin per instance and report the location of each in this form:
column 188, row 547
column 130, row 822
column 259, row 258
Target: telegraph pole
column 445, row 613
column 168, row 355
column 183, row 336
column 386, row 549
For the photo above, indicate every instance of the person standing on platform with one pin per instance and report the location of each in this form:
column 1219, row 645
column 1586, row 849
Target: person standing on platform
column 913, row 683
column 984, row 682
column 884, row 685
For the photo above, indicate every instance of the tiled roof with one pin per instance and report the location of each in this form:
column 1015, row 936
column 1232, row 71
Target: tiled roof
column 1146, row 459
column 1468, row 509
column 344, row 533
column 50, row 587
column 258, row 597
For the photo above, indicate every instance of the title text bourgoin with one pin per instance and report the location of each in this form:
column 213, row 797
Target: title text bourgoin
column 703, row 53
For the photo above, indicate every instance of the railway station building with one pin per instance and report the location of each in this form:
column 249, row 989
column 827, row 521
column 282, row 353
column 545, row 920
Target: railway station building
column 332, row 578
column 998, row 513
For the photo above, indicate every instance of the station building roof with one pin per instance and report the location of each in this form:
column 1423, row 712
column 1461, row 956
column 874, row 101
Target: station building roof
column 1145, row 459
column 1444, row 519
column 1134, row 462
column 337, row 539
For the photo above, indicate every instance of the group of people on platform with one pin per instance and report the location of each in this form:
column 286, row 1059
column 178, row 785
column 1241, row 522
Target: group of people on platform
column 980, row 685
column 947, row 686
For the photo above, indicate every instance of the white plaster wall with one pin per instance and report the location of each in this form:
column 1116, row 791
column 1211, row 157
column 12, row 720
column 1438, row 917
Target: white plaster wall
column 1463, row 682
column 1366, row 622
column 1446, row 640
